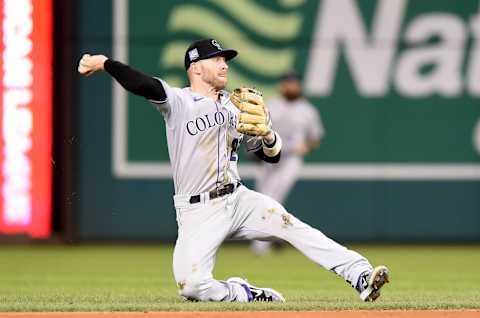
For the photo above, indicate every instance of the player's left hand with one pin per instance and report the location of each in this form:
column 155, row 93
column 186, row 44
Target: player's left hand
column 254, row 119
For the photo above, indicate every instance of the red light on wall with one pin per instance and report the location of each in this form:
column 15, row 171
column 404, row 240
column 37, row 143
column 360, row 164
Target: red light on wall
column 26, row 117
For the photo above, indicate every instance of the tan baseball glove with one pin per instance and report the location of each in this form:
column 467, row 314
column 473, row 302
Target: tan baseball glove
column 254, row 119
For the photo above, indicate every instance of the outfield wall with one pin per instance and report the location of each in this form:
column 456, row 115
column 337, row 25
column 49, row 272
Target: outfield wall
column 397, row 85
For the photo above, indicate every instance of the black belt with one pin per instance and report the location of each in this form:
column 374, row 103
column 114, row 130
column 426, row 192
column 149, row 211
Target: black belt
column 217, row 192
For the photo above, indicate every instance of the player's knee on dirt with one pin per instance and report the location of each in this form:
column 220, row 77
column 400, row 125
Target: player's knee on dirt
column 197, row 289
column 190, row 289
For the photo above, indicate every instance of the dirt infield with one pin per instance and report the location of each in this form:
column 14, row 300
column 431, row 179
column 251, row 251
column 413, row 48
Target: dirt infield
column 259, row 314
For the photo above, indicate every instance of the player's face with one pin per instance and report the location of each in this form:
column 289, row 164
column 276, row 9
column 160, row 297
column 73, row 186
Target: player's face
column 214, row 72
column 290, row 89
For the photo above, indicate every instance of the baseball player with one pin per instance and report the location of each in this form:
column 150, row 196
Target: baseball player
column 205, row 125
column 300, row 128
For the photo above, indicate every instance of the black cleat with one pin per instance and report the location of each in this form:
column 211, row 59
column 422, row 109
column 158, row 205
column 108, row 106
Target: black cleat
column 257, row 293
column 370, row 284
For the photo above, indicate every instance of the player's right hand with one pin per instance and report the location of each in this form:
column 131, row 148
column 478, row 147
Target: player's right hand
column 90, row 64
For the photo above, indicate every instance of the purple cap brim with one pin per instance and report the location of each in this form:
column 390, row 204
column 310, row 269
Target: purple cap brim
column 228, row 53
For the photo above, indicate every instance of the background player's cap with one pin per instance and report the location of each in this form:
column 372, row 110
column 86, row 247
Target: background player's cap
column 205, row 49
column 290, row 75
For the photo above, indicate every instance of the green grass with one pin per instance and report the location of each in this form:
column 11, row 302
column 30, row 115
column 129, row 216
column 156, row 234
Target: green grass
column 139, row 278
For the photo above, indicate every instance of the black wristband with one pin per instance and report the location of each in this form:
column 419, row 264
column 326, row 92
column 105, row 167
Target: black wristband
column 108, row 65
column 273, row 143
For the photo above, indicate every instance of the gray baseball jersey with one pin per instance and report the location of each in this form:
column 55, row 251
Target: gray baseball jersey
column 296, row 122
column 202, row 139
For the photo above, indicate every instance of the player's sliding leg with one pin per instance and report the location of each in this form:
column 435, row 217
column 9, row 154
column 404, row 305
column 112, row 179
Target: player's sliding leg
column 267, row 218
column 202, row 227
column 201, row 230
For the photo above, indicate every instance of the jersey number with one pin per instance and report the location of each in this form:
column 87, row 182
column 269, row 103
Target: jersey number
column 233, row 154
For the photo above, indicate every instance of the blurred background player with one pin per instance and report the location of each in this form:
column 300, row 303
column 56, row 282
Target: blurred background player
column 299, row 124
column 476, row 137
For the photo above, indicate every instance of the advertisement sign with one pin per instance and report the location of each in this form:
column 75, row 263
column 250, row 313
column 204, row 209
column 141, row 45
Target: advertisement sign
column 26, row 117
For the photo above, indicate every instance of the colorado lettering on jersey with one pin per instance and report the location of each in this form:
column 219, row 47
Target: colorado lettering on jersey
column 232, row 119
column 205, row 122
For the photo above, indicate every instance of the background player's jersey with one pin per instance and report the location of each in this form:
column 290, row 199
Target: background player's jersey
column 296, row 122
column 202, row 139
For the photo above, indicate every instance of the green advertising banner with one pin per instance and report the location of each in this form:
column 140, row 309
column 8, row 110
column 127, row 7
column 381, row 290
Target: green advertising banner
column 397, row 83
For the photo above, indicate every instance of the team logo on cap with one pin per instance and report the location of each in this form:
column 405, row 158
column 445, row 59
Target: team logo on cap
column 193, row 54
column 216, row 44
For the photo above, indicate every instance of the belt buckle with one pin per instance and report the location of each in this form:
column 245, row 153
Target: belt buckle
column 219, row 192
column 228, row 188
column 215, row 193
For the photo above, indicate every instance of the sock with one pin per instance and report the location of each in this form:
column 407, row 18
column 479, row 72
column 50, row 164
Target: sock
column 362, row 282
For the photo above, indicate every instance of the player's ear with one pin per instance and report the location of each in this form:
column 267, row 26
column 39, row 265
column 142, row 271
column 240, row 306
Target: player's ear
column 196, row 68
